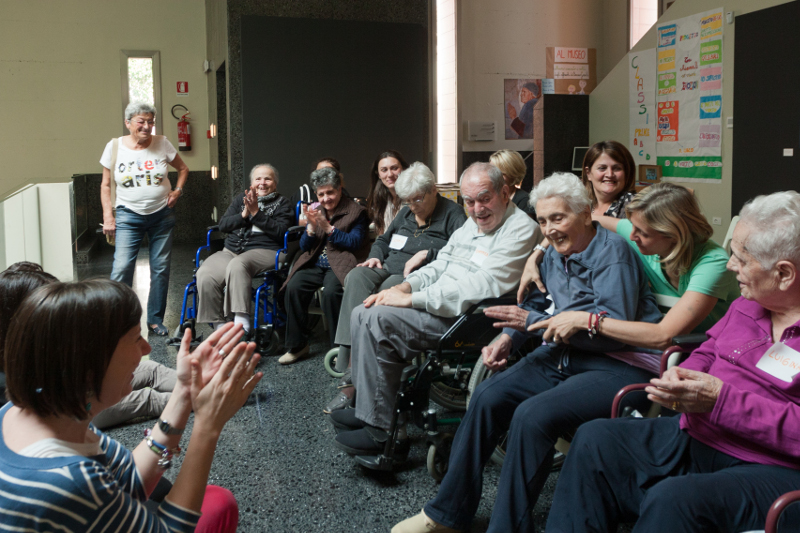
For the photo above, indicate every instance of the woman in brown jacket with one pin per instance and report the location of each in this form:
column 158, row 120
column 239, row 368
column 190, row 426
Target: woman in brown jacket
column 335, row 241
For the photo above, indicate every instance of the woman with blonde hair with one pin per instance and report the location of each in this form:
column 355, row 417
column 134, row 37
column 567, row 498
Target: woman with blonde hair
column 673, row 239
column 513, row 168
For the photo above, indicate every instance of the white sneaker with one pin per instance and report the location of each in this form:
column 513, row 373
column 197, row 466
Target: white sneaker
column 421, row 524
column 288, row 358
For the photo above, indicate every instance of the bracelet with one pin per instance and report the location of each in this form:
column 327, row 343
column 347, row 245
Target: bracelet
column 331, row 231
column 589, row 327
column 540, row 248
column 165, row 454
column 593, row 329
column 178, row 189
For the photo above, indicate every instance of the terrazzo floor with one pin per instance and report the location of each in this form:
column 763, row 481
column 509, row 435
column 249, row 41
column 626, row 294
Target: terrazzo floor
column 276, row 454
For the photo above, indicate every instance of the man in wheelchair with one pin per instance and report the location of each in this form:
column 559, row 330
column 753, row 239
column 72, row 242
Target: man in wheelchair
column 559, row 385
column 482, row 259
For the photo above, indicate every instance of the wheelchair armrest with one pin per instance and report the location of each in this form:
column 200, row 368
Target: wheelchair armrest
column 621, row 394
column 777, row 508
column 212, row 228
column 506, row 299
column 668, row 353
column 690, row 339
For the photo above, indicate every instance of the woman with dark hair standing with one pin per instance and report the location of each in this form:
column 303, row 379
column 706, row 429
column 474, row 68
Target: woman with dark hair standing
column 382, row 202
column 609, row 173
column 72, row 350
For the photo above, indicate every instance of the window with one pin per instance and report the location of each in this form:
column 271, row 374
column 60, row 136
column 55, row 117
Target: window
column 446, row 95
column 643, row 14
column 141, row 80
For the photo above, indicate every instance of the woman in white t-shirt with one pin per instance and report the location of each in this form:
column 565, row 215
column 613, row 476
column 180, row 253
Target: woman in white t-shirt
column 144, row 204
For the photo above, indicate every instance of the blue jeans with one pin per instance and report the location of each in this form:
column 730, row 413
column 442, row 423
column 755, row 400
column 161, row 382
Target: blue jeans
column 552, row 391
column 131, row 229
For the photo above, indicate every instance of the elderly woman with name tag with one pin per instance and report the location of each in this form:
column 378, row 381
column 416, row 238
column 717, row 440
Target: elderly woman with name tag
column 736, row 446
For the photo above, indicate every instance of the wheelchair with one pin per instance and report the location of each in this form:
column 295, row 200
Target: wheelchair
column 451, row 362
column 269, row 320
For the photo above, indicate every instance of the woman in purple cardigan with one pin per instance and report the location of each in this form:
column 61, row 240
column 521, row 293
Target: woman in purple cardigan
column 736, row 446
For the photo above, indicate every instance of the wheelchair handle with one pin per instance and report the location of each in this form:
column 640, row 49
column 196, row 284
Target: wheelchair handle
column 621, row 394
column 777, row 508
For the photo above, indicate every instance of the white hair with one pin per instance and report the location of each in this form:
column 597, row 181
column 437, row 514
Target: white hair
column 774, row 220
column 566, row 186
column 264, row 165
column 139, row 108
column 491, row 171
column 415, row 180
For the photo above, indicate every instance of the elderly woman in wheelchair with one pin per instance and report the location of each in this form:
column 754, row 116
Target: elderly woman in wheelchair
column 255, row 223
column 736, row 446
column 591, row 272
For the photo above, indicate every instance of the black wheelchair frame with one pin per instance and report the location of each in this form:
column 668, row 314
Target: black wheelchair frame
column 455, row 355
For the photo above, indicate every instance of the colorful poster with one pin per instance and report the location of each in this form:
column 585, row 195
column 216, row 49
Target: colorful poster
column 643, row 119
column 689, row 97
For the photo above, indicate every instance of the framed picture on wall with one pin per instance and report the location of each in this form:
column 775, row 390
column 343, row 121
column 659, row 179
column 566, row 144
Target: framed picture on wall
column 649, row 174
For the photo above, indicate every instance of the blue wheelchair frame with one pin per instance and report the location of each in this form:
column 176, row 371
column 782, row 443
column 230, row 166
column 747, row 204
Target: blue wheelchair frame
column 267, row 316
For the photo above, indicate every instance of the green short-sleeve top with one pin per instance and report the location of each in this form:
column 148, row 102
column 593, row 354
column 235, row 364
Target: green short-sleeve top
column 707, row 275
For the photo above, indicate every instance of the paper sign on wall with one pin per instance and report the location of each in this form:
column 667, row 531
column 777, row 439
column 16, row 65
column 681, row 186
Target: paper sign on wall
column 689, row 97
column 643, row 119
column 573, row 70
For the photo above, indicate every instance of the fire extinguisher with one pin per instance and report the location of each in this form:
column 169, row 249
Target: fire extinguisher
column 184, row 130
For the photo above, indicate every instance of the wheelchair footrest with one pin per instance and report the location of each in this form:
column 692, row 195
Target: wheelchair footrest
column 376, row 462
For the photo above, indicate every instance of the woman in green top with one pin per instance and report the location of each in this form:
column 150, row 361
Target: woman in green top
column 673, row 239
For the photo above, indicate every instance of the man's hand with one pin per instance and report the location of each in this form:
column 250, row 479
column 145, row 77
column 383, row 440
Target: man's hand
column 109, row 225
column 495, row 356
column 510, row 316
column 685, row 391
column 416, row 261
column 530, row 274
column 373, row 262
column 397, row 296
column 562, row 326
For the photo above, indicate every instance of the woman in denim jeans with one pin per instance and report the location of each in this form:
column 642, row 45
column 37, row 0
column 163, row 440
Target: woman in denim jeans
column 144, row 204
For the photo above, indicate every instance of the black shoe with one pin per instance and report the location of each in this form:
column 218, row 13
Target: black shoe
column 345, row 420
column 370, row 441
column 346, row 380
column 341, row 401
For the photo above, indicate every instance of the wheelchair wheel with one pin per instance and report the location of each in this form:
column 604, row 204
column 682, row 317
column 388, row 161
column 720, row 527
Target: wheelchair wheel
column 330, row 363
column 449, row 395
column 268, row 341
column 439, row 456
column 480, row 374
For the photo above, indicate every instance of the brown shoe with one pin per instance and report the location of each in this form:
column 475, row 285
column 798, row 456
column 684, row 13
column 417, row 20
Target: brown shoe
column 421, row 524
column 288, row 358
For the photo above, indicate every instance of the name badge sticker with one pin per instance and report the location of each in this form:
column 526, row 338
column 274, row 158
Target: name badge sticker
column 781, row 362
column 479, row 256
column 397, row 242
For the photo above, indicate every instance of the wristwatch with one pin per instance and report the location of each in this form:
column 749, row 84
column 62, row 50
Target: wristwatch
column 179, row 189
column 167, row 429
column 540, row 248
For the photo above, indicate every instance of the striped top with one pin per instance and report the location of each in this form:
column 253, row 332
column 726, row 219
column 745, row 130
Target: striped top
column 63, row 494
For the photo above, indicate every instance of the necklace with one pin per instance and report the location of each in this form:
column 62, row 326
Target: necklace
column 427, row 225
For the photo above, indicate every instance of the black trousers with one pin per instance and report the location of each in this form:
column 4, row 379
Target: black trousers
column 298, row 296
column 622, row 470
column 553, row 390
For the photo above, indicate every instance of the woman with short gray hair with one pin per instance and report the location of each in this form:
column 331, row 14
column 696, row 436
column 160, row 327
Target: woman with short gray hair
column 413, row 239
column 144, row 204
column 255, row 223
column 334, row 242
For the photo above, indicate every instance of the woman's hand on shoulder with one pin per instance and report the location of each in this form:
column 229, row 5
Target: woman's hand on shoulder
column 530, row 274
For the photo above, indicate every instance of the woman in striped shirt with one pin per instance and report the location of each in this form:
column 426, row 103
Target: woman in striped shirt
column 71, row 352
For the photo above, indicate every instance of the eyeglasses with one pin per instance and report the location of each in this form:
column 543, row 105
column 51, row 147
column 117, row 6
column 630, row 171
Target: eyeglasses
column 415, row 201
column 150, row 123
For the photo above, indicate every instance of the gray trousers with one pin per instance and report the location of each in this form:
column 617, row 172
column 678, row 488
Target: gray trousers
column 152, row 386
column 227, row 269
column 360, row 283
column 385, row 339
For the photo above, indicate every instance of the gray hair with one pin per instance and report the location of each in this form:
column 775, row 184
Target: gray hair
column 774, row 220
column 324, row 177
column 415, row 180
column 566, row 186
column 264, row 165
column 495, row 176
column 139, row 108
